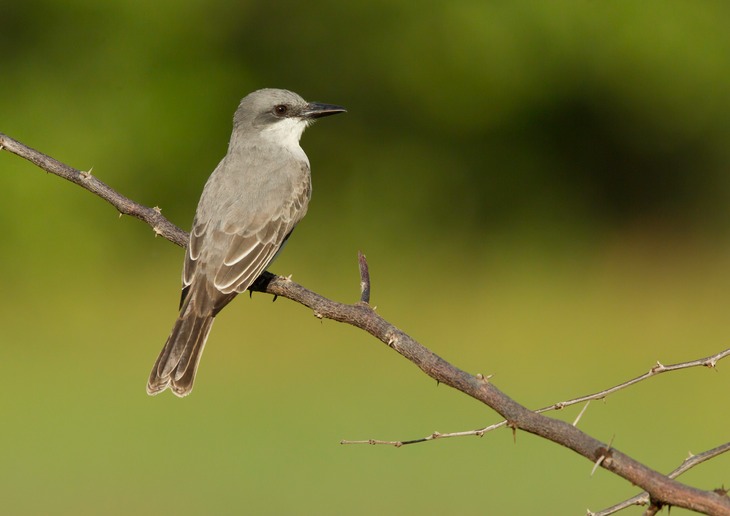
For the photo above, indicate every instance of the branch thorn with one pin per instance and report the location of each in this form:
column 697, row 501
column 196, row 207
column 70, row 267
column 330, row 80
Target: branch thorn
column 513, row 426
column 605, row 455
column 598, row 463
column 577, row 419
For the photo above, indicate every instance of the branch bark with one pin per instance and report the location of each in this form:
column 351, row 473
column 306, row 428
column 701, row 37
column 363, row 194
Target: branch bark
column 660, row 488
column 644, row 498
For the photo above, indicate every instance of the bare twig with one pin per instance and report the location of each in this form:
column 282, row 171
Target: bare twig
column 657, row 369
column 361, row 315
column 152, row 216
column 709, row 362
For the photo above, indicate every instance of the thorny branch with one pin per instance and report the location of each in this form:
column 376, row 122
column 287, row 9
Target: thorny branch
column 660, row 488
column 655, row 370
column 125, row 206
column 643, row 498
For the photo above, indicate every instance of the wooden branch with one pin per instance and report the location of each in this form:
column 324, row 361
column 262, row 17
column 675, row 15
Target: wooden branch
column 708, row 362
column 644, row 499
column 125, row 206
column 361, row 315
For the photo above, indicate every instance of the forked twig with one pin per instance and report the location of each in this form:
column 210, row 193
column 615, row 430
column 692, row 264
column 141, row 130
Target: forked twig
column 688, row 463
column 657, row 369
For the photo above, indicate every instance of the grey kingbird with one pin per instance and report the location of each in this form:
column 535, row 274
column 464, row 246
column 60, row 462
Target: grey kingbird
column 250, row 204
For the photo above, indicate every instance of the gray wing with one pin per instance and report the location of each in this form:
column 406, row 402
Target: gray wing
column 231, row 257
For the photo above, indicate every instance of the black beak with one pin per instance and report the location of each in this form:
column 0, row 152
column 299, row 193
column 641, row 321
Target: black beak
column 316, row 110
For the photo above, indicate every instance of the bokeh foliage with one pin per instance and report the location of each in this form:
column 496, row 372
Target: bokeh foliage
column 541, row 188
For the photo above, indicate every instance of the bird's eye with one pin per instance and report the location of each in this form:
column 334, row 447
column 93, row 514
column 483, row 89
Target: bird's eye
column 281, row 109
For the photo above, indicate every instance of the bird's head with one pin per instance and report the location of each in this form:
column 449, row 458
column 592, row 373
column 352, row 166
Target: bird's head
column 279, row 115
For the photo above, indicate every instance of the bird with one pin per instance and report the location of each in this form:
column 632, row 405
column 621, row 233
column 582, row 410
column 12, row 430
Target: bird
column 248, row 209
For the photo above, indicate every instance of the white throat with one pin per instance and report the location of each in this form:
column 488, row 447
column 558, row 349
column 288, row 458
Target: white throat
column 286, row 132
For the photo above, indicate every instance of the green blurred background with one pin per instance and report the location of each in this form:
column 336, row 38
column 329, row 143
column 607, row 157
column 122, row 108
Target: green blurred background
column 541, row 189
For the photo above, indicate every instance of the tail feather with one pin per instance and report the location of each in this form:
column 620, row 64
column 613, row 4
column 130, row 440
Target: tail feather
column 178, row 361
